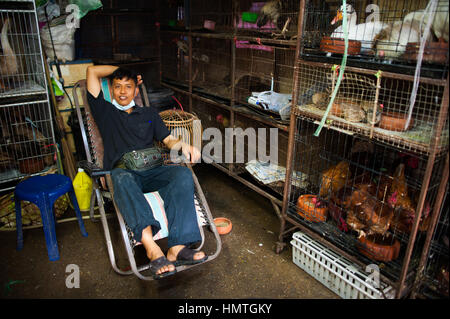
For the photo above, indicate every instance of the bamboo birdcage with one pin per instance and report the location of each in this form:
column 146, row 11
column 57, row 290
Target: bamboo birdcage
column 185, row 125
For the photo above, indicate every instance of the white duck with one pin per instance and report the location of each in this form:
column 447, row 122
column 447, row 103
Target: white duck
column 363, row 32
column 440, row 25
column 391, row 42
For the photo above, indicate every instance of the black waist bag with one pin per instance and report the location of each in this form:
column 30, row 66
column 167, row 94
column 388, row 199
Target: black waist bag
column 142, row 159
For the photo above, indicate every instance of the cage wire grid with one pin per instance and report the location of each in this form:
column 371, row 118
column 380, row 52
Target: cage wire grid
column 438, row 256
column 384, row 33
column 22, row 74
column 174, row 60
column 373, row 105
column 211, row 65
column 369, row 163
column 254, row 152
column 261, row 67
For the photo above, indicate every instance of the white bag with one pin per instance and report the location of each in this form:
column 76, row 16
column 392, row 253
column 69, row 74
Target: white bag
column 63, row 41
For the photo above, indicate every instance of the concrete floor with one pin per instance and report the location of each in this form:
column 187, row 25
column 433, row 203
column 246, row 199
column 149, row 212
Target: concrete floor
column 246, row 268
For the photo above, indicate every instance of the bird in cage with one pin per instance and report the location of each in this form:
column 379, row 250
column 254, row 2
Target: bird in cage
column 440, row 24
column 363, row 32
column 366, row 214
column 8, row 59
column 390, row 43
column 270, row 12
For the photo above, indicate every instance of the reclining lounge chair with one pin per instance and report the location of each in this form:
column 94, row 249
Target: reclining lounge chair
column 103, row 191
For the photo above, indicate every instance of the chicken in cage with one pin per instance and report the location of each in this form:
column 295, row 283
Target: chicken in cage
column 362, row 195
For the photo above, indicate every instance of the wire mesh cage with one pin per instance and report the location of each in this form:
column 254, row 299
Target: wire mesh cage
column 214, row 120
column 374, row 105
column 361, row 195
column 211, row 65
column 263, row 78
column 174, row 58
column 436, row 272
column 382, row 34
column 21, row 71
column 208, row 15
column 121, row 31
column 258, row 151
column 27, row 144
column 273, row 18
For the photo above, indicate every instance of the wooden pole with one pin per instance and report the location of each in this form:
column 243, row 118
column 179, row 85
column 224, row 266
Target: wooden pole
column 68, row 159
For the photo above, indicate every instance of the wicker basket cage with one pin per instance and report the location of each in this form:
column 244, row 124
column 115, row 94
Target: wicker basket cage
column 185, row 125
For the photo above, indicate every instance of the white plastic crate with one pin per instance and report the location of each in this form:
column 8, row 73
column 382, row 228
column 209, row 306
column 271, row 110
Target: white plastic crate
column 337, row 273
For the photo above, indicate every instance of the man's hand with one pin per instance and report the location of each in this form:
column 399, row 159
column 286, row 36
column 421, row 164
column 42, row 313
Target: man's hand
column 139, row 79
column 190, row 152
column 93, row 75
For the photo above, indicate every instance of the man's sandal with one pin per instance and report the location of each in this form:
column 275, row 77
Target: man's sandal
column 157, row 264
column 186, row 257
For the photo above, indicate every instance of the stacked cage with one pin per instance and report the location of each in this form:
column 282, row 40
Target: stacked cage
column 378, row 105
column 204, row 15
column 435, row 283
column 174, row 58
column 211, row 60
column 259, row 152
column 263, row 78
column 27, row 144
column 381, row 34
column 361, row 196
column 267, row 19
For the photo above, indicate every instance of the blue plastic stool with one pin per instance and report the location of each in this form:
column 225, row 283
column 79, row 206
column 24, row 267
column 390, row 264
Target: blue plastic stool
column 44, row 191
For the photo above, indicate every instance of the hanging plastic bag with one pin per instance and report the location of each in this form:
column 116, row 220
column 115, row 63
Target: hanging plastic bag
column 85, row 6
column 52, row 9
column 63, row 42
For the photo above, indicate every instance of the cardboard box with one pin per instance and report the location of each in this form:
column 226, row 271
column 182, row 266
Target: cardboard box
column 72, row 71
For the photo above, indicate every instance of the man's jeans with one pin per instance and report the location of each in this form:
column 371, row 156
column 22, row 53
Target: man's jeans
column 176, row 187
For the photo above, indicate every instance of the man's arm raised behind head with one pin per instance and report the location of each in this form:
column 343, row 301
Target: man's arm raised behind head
column 93, row 75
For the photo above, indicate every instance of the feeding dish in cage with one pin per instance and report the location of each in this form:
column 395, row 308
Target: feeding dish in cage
column 378, row 247
column 394, row 121
column 337, row 45
column 312, row 209
column 434, row 52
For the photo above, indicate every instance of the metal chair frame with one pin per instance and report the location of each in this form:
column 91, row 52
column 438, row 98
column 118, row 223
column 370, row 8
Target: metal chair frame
column 103, row 188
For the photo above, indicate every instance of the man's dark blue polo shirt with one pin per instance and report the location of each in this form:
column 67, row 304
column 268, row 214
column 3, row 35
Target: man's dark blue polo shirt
column 122, row 132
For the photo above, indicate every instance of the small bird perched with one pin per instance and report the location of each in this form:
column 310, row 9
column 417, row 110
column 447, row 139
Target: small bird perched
column 270, row 12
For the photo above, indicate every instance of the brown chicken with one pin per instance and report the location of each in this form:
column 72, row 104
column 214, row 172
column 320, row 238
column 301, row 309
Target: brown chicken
column 404, row 207
column 366, row 214
column 334, row 178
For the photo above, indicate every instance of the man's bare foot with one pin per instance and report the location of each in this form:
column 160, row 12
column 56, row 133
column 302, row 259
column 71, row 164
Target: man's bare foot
column 153, row 250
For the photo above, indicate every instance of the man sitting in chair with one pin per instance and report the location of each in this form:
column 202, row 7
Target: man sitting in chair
column 125, row 128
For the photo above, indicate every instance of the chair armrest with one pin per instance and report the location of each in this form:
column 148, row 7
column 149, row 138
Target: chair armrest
column 91, row 169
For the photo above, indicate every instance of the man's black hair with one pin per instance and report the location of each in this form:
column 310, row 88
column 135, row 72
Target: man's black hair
column 121, row 73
